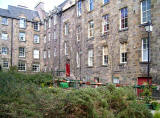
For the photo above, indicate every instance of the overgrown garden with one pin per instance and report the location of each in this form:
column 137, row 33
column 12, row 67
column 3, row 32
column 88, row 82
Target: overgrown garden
column 31, row 95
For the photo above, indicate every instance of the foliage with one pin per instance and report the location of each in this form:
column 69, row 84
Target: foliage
column 147, row 94
column 157, row 115
column 20, row 97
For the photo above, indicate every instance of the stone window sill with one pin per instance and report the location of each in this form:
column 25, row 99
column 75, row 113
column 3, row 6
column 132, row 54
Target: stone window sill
column 125, row 29
column 104, row 4
column 91, row 38
column 104, row 65
column 90, row 66
column 144, row 62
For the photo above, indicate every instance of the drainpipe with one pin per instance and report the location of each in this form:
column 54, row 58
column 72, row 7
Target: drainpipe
column 11, row 60
column 59, row 65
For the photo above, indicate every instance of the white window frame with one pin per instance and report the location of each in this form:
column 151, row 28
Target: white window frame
column 78, row 60
column 147, row 10
column 66, row 29
column 90, row 29
column 5, row 62
column 116, row 80
column 55, row 52
column 123, row 50
column 49, row 23
column 36, row 39
column 36, row 54
column 45, row 54
column 79, row 8
column 143, row 58
column 105, row 23
column 90, row 57
column 49, row 54
column 36, row 67
column 65, row 49
column 22, row 23
column 49, row 36
column 4, row 22
column 45, row 25
column 125, row 27
column 36, row 26
column 22, row 36
column 55, row 19
column 4, row 51
column 4, row 36
column 103, row 54
column 78, row 33
column 106, row 1
column 45, row 39
column 21, row 62
column 55, row 36
column 91, row 2
column 21, row 52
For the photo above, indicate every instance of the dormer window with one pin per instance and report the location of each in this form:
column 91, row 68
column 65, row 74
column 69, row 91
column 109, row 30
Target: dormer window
column 36, row 26
column 4, row 21
column 22, row 23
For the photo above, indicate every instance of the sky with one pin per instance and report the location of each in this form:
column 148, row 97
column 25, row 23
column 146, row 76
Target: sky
column 49, row 4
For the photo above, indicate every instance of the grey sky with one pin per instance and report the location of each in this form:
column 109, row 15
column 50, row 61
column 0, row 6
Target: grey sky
column 49, row 4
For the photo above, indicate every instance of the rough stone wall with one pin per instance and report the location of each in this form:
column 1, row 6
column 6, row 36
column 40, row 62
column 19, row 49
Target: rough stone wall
column 134, row 68
column 28, row 44
column 155, row 42
column 5, row 43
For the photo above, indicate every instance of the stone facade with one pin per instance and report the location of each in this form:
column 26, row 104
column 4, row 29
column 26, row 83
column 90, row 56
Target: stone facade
column 64, row 38
column 14, row 43
column 126, row 73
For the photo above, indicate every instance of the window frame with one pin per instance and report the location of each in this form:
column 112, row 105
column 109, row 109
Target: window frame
column 22, row 52
column 90, row 58
column 34, row 55
column 21, row 62
column 143, row 59
column 142, row 22
column 103, row 56
column 3, row 37
column 49, row 54
column 125, row 19
column 20, row 36
column 79, row 8
column 123, row 53
column 91, row 29
column 4, row 51
column 44, row 54
column 36, row 67
column 65, row 49
column 4, row 60
column 104, row 23
column 36, row 26
column 78, row 33
column 36, row 39
column 78, row 59
column 24, row 23
column 6, row 22
column 91, row 5
column 106, row 1
column 66, row 29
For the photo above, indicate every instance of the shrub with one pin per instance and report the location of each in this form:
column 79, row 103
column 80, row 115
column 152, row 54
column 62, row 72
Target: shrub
column 157, row 115
column 22, row 96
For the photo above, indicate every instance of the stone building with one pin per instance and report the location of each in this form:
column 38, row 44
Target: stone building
column 106, row 41
column 21, row 38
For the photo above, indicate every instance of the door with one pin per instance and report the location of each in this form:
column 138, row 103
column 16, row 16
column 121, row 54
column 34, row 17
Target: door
column 142, row 81
column 68, row 68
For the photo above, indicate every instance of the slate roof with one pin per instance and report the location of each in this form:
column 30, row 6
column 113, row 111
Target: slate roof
column 63, row 3
column 15, row 12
